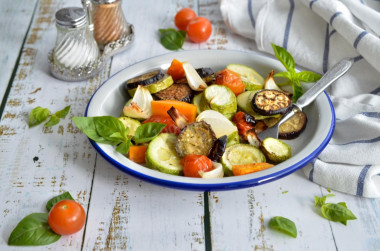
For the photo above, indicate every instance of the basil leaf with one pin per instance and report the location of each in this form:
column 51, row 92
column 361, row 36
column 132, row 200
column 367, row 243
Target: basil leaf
column 284, row 74
column 284, row 57
column 33, row 230
column 87, row 126
column 123, row 148
column 297, row 91
column 147, row 132
column 321, row 200
column 62, row 113
column 38, row 115
column 56, row 199
column 307, row 76
column 337, row 212
column 107, row 126
column 52, row 121
column 283, row 225
column 172, row 39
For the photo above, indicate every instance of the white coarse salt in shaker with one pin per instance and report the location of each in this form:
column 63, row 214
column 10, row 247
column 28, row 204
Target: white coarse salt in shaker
column 76, row 54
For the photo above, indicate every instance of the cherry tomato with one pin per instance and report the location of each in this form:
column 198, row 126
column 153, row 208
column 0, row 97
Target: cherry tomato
column 183, row 17
column 194, row 163
column 199, row 29
column 240, row 119
column 230, row 79
column 66, row 217
column 171, row 126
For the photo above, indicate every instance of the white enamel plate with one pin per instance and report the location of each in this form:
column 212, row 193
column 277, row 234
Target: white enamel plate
column 110, row 98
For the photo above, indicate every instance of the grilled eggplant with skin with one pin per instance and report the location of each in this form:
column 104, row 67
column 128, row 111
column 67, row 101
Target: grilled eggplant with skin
column 218, row 149
column 144, row 79
column 293, row 127
column 195, row 138
column 180, row 92
column 271, row 102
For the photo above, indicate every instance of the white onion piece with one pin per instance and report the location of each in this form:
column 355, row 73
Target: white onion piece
column 217, row 172
column 195, row 82
column 140, row 106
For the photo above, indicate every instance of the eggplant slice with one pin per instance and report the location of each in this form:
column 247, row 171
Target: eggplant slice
column 218, row 149
column 144, row 79
column 195, row 138
column 180, row 92
column 207, row 74
column 293, row 127
column 271, row 102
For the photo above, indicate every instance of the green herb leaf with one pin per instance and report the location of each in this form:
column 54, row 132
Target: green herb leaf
column 284, row 74
column 283, row 225
column 123, row 148
column 107, row 126
column 284, row 56
column 172, row 39
column 328, row 190
column 62, row 113
column 52, row 121
column 307, row 76
column 38, row 115
column 297, row 91
column 147, row 132
column 33, row 230
column 337, row 212
column 87, row 126
column 321, row 200
column 56, row 199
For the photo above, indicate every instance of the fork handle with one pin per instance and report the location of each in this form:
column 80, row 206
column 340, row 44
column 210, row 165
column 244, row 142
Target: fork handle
column 330, row 76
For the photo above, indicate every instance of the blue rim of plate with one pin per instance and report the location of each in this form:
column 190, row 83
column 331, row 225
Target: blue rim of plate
column 216, row 186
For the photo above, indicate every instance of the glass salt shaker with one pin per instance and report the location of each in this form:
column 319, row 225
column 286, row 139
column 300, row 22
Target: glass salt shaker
column 76, row 55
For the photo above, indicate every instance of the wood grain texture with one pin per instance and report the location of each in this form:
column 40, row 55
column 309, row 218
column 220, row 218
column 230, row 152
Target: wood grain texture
column 15, row 17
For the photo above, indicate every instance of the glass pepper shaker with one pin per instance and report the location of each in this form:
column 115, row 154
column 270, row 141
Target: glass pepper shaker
column 107, row 20
column 76, row 55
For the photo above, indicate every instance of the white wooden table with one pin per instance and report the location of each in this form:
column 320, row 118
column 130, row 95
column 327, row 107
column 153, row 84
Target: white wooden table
column 123, row 212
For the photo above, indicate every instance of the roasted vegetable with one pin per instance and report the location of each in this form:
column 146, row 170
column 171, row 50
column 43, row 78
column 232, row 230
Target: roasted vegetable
column 271, row 84
column 195, row 138
column 139, row 107
column 179, row 119
column 293, row 127
column 207, row 75
column 276, row 150
column 218, row 149
column 271, row 102
column 180, row 92
column 157, row 86
column 244, row 123
column 195, row 82
column 144, row 79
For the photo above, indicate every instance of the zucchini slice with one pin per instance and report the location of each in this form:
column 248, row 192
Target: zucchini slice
column 219, row 98
column 161, row 154
column 195, row 138
column 157, row 86
column 276, row 150
column 240, row 154
column 293, row 127
column 144, row 79
column 130, row 123
column 271, row 102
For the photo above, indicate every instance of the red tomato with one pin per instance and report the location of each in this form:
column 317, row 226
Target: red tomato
column 183, row 17
column 241, row 123
column 66, row 217
column 230, row 79
column 171, row 126
column 194, row 163
column 199, row 29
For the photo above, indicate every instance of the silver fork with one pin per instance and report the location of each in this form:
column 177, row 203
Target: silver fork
column 329, row 77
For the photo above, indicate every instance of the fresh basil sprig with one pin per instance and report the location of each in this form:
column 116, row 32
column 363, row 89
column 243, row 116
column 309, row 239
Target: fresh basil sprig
column 34, row 229
column 334, row 212
column 110, row 130
column 295, row 78
column 172, row 39
column 284, row 225
column 40, row 114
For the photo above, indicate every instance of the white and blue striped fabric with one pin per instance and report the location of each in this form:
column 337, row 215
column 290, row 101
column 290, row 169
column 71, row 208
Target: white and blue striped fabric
column 319, row 33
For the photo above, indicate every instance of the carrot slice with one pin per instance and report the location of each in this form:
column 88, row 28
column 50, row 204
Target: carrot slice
column 160, row 107
column 176, row 70
column 250, row 168
column 137, row 153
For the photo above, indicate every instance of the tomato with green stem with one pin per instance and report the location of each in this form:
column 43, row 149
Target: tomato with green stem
column 199, row 29
column 66, row 217
column 183, row 17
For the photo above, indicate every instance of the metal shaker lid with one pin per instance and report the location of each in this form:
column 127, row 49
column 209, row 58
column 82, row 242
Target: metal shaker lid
column 104, row 1
column 71, row 17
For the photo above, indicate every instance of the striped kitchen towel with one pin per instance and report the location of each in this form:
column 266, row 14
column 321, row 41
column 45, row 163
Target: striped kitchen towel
column 319, row 33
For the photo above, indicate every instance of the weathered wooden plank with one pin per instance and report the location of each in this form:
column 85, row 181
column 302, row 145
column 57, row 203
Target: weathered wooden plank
column 39, row 163
column 15, row 17
column 127, row 214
